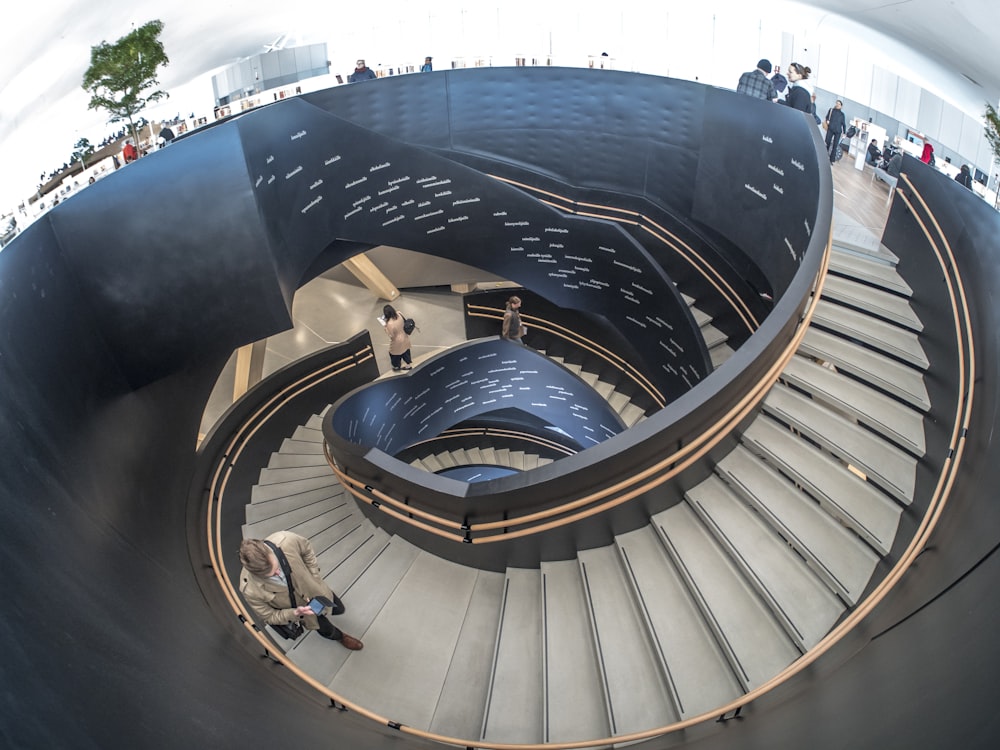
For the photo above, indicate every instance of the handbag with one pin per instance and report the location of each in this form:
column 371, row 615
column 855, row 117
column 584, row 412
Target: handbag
column 290, row 630
column 409, row 325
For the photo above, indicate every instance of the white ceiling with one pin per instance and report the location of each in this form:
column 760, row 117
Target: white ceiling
column 43, row 109
column 960, row 35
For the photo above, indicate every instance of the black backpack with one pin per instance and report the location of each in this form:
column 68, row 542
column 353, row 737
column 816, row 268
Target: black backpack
column 408, row 326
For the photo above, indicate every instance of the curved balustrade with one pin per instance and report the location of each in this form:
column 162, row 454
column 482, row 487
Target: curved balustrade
column 642, row 390
column 464, row 383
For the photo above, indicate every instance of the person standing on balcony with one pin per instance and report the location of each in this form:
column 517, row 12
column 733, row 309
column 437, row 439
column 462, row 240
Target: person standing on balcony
column 756, row 83
column 964, row 176
column 800, row 94
column 361, row 73
column 129, row 152
column 513, row 329
column 265, row 586
column 428, row 66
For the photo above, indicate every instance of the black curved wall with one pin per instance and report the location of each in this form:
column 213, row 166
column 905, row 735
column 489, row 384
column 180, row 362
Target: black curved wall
column 112, row 333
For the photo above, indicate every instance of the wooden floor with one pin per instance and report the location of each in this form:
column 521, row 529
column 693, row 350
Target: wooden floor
column 858, row 201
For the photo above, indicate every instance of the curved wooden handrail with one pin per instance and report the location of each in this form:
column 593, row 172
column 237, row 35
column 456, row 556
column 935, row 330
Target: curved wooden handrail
column 524, row 437
column 636, row 218
column 400, row 508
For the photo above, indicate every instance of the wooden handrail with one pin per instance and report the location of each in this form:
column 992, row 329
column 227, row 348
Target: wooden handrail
column 525, row 437
column 705, row 268
column 351, row 484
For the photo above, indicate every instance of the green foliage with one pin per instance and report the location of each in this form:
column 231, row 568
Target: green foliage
column 992, row 130
column 121, row 78
column 82, row 151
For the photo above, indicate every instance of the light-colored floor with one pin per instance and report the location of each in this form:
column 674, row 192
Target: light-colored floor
column 329, row 309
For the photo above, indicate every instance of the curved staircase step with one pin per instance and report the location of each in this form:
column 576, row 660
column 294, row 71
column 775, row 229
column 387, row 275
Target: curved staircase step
column 882, row 304
column 514, row 702
column 839, row 557
column 885, row 415
column 697, row 671
column 421, row 619
column 891, row 468
column 755, row 644
column 882, row 336
column 869, row 271
column 798, row 599
column 575, row 703
column 879, row 371
column 638, row 695
column 462, row 701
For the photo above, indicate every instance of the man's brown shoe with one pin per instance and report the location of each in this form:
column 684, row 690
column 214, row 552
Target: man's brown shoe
column 349, row 641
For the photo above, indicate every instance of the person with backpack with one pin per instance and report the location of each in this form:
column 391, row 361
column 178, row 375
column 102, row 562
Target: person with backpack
column 399, row 340
column 836, row 126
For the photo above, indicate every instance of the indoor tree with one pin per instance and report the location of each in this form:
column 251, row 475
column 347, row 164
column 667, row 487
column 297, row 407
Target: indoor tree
column 992, row 132
column 82, row 151
column 122, row 79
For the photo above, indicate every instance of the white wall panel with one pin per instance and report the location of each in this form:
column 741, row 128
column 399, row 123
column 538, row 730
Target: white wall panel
column 860, row 71
column 907, row 109
column 950, row 133
column 736, row 49
column 984, row 159
column 832, row 69
column 972, row 140
column 929, row 117
column 884, row 84
column 689, row 42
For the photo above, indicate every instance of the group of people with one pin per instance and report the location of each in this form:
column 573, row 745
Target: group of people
column 793, row 91
column 796, row 92
column 400, row 356
column 363, row 73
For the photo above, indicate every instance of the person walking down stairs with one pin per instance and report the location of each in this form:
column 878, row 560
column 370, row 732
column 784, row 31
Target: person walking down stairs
column 281, row 582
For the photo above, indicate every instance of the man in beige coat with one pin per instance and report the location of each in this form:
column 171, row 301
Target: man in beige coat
column 264, row 586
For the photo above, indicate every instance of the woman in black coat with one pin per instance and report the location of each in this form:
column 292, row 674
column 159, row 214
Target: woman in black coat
column 800, row 94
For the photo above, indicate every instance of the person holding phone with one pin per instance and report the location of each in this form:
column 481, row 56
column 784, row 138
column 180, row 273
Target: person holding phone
column 265, row 587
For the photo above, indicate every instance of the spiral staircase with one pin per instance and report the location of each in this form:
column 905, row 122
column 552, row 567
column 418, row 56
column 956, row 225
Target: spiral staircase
column 799, row 534
column 711, row 598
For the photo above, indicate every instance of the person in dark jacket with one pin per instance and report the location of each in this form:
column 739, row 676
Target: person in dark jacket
column 800, row 94
column 756, row 83
column 361, row 73
column 874, row 154
column 836, row 126
column 964, row 176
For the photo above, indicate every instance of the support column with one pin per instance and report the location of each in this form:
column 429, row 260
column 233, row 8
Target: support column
column 249, row 367
column 369, row 275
